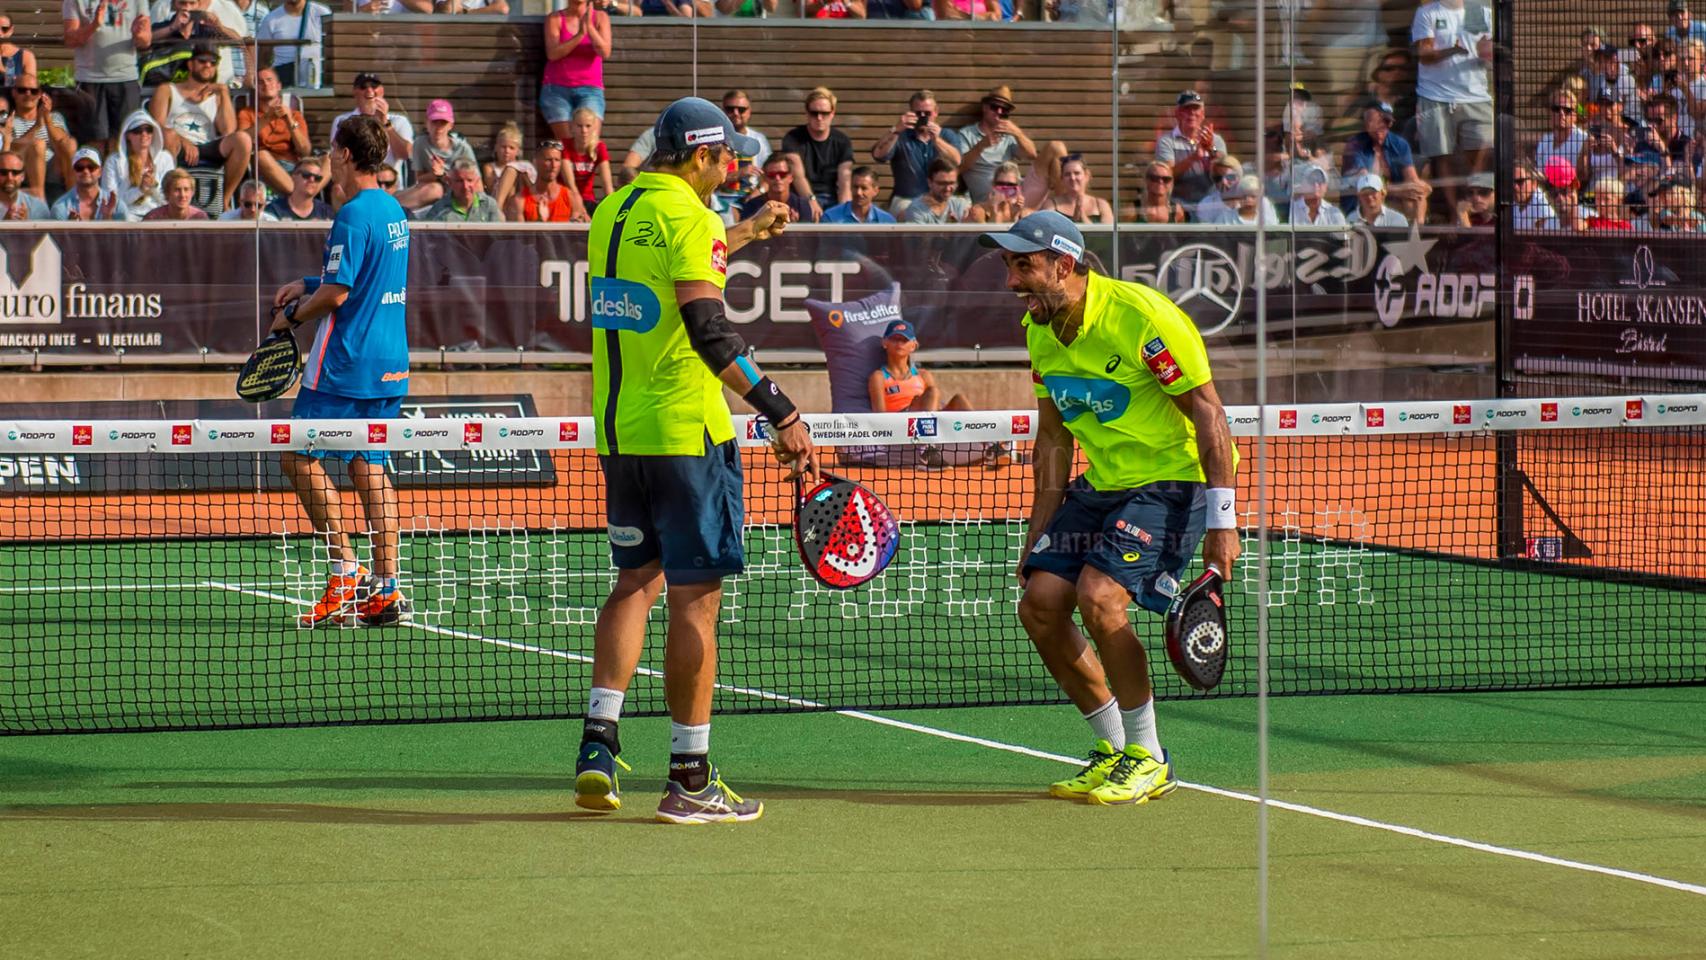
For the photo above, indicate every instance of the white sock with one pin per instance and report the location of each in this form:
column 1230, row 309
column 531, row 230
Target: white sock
column 1105, row 724
column 345, row 568
column 686, row 739
column 1140, row 728
column 604, row 703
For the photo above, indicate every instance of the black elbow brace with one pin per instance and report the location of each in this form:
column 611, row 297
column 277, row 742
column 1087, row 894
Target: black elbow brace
column 708, row 330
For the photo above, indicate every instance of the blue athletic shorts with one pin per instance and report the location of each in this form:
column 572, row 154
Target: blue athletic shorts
column 685, row 512
column 1143, row 538
column 314, row 405
column 559, row 104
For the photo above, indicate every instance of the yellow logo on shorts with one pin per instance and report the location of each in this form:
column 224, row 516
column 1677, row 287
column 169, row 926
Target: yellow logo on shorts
column 1132, row 557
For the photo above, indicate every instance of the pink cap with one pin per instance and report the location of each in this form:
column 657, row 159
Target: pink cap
column 1560, row 173
column 440, row 110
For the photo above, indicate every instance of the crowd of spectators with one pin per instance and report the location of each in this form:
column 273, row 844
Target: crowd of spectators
column 1623, row 145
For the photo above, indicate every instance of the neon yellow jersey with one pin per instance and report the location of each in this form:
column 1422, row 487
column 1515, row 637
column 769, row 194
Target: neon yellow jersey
column 1113, row 384
column 651, row 393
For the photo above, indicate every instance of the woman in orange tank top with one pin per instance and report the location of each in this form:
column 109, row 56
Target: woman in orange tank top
column 898, row 384
column 546, row 200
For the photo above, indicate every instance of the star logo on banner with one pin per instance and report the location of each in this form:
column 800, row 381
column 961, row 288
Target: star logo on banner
column 1412, row 252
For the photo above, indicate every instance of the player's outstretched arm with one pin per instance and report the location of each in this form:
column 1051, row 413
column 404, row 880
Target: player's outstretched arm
column 766, row 223
column 1051, row 468
column 723, row 350
column 1220, row 547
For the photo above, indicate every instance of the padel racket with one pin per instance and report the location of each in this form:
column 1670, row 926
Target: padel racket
column 1197, row 641
column 846, row 536
column 271, row 369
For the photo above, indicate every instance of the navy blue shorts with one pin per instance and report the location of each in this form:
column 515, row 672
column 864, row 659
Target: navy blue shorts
column 314, row 405
column 1143, row 538
column 685, row 512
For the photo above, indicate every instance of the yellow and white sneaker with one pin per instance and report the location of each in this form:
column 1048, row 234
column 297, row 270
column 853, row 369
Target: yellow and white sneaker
column 1137, row 777
column 1096, row 768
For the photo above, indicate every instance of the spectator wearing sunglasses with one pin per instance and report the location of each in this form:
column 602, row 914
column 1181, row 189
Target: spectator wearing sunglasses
column 911, row 145
column 1158, row 205
column 251, row 204
column 135, row 169
column 1190, row 148
column 993, row 140
column 104, row 36
column 303, row 201
column 87, row 200
column 737, row 106
column 820, row 156
column 368, row 91
column 1564, row 138
column 548, row 200
column 15, row 61
column 200, row 121
column 39, row 135
column 1006, row 200
column 779, row 187
column 1529, row 206
column 1218, row 204
column 16, row 203
column 386, row 180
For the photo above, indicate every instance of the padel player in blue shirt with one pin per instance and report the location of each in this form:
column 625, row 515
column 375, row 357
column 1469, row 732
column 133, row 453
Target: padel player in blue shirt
column 357, row 369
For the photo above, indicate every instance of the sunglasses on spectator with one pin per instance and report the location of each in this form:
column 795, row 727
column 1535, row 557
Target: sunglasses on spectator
column 1522, row 180
column 1557, row 109
column 778, row 174
column 820, row 113
column 205, row 59
column 11, row 171
column 731, row 108
column 1006, row 186
column 5, row 28
column 388, row 182
column 86, row 167
column 1157, row 178
column 306, row 174
column 251, row 204
column 550, row 144
column 1002, row 111
column 26, row 91
column 1640, row 41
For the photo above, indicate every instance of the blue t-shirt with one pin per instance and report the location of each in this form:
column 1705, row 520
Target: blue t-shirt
column 362, row 349
column 910, row 164
column 843, row 213
column 1359, row 155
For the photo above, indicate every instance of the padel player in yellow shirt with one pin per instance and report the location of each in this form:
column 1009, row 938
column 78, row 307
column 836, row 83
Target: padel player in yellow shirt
column 662, row 352
column 1121, row 372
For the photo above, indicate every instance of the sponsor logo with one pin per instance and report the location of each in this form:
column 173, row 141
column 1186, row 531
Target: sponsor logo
column 1041, row 544
column 524, row 432
column 1154, row 348
column 837, row 318
column 82, row 435
column 625, row 536
column 623, row 305
column 1376, row 417
column 720, row 257
column 1590, row 411
column 32, row 435
column 1062, row 245
column 921, row 426
column 1460, row 413
column 703, row 135
column 376, row 433
column 1509, row 414
column 568, row 431
column 1163, row 366
column 333, row 434
column 1021, row 425
column 1112, row 365
column 1418, row 417
column 1076, row 396
column 424, row 433
column 1288, row 420
column 1131, row 556
column 334, row 259
column 1543, row 548
column 976, row 425
column 1632, row 409
column 182, row 434
column 398, row 297
column 473, row 432
column 1548, row 413
column 1680, row 408
column 757, row 429
column 1204, row 281
column 1334, row 418
column 132, row 435
column 1166, row 586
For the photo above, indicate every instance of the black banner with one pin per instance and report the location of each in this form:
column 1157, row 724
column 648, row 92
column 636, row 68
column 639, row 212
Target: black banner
column 177, row 294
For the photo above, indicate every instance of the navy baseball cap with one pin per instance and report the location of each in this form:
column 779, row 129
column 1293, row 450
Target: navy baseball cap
column 899, row 328
column 695, row 122
column 1044, row 230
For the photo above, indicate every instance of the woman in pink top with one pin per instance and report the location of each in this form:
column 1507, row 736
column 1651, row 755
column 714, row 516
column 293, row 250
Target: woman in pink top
column 577, row 39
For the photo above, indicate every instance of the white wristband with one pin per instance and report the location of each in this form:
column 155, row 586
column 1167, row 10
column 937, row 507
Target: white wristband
column 1222, row 508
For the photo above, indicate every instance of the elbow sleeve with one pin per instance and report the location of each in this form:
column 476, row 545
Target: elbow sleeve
column 709, row 332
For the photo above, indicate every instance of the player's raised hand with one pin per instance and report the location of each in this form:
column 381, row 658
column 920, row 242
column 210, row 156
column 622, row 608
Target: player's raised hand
column 770, row 220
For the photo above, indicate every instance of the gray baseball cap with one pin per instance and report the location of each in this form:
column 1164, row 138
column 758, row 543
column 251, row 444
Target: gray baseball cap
column 695, row 122
column 1043, row 230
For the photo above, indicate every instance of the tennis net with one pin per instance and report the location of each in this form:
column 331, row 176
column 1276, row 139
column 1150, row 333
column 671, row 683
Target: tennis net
column 152, row 572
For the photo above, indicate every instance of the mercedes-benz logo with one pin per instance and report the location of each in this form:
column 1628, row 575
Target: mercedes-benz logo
column 1205, row 283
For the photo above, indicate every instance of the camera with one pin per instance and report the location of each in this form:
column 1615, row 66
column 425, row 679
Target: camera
column 921, row 121
column 1595, row 130
column 1671, row 77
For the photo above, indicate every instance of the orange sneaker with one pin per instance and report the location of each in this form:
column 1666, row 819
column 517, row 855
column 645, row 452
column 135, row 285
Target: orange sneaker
column 380, row 607
column 337, row 604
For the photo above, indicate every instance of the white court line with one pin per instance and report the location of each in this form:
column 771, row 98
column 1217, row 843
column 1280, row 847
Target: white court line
column 1304, row 809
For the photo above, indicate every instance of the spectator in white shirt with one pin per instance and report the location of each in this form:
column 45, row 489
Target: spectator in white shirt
column 251, row 204
column 1529, row 207
column 1371, row 204
column 1453, row 42
column 1308, row 206
column 1565, row 138
column 298, row 64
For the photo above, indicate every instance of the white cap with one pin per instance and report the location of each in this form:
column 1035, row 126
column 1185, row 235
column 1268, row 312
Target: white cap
column 1371, row 181
column 86, row 153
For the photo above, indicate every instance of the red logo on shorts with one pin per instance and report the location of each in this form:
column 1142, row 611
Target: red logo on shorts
column 1632, row 409
column 1288, row 419
column 1022, row 425
column 1548, row 413
column 720, row 256
column 376, row 433
column 1460, row 413
column 82, row 435
column 473, row 432
column 182, row 434
column 281, row 433
column 568, row 431
column 1376, row 416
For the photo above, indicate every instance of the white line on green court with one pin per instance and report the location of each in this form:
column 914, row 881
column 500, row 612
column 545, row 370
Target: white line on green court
column 1306, row 810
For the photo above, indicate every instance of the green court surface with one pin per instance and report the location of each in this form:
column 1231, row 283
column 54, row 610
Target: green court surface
column 459, row 839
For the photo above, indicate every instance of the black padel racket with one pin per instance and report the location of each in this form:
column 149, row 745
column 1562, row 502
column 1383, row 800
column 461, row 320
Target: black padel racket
column 1197, row 641
column 845, row 534
column 271, row 369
